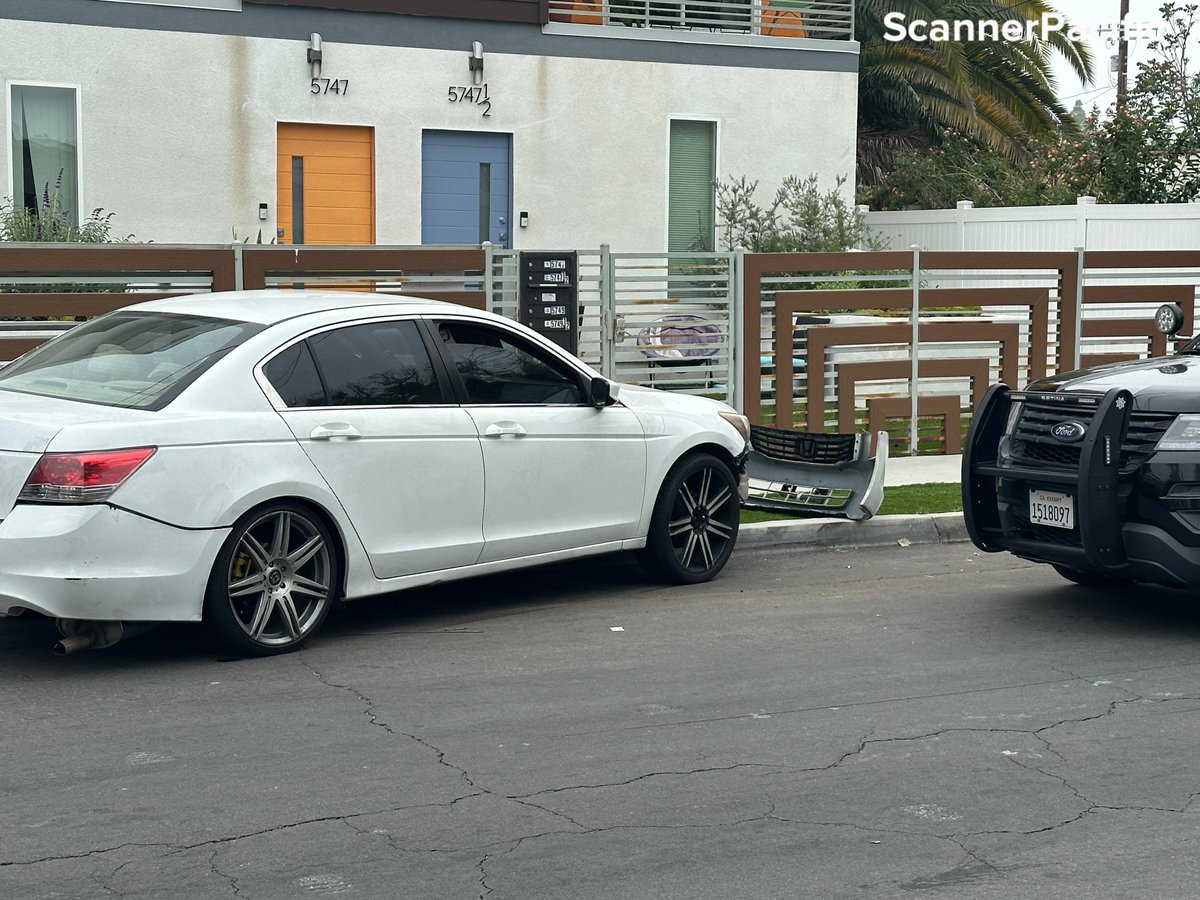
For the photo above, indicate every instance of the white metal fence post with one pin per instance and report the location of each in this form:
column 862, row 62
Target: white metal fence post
column 1078, row 349
column 239, row 270
column 1083, row 209
column 489, row 287
column 606, row 284
column 737, row 339
column 914, row 352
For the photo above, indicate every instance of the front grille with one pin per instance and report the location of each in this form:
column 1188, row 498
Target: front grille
column 1031, row 440
column 798, row 446
column 1144, row 432
column 1033, row 445
column 1061, row 537
column 1054, row 456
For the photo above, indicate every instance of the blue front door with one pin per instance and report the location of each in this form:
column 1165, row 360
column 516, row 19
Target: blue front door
column 466, row 194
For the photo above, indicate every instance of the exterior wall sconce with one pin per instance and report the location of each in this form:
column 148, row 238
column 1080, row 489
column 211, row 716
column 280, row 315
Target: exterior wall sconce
column 475, row 61
column 262, row 212
column 314, row 54
column 523, row 219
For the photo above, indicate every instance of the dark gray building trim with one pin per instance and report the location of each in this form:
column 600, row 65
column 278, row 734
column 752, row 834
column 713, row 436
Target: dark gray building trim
column 421, row 32
column 533, row 11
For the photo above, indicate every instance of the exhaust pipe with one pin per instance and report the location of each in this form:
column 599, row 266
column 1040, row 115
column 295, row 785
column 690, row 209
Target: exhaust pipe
column 78, row 634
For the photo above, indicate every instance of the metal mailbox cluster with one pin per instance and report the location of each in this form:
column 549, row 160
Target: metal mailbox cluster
column 550, row 296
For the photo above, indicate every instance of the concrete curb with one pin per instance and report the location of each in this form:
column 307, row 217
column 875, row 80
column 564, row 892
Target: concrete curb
column 943, row 528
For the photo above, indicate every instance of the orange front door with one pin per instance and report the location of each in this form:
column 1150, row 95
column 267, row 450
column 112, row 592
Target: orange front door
column 326, row 184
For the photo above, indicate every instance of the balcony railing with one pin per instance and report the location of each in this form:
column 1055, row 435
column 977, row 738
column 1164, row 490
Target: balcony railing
column 813, row 19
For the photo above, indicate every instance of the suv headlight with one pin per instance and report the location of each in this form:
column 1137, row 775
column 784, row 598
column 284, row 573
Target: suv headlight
column 1013, row 415
column 1184, row 434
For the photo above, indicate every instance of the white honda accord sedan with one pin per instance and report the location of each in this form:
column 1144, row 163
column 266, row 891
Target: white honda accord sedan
column 250, row 459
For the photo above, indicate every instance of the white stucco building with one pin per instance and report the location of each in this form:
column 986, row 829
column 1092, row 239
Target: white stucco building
column 532, row 123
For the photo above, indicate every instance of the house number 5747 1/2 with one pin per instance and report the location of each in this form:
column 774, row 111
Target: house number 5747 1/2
column 330, row 86
column 477, row 95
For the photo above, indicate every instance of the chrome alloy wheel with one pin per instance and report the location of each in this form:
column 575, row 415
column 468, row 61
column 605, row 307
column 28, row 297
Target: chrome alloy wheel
column 703, row 519
column 280, row 578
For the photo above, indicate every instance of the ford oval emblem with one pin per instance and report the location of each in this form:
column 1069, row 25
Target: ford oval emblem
column 1068, row 432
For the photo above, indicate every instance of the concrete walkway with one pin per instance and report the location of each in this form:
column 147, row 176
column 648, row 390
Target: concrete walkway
column 923, row 470
column 942, row 528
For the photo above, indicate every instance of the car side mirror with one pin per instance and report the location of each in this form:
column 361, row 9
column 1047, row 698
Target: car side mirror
column 602, row 392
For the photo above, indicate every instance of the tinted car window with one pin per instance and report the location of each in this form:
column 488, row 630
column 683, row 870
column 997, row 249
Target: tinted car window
column 376, row 364
column 294, row 376
column 139, row 360
column 497, row 367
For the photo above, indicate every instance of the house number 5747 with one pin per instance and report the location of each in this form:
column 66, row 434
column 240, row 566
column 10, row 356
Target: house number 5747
column 330, row 86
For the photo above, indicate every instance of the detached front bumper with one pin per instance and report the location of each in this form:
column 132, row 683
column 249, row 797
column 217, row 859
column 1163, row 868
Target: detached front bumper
column 1153, row 547
column 97, row 562
column 815, row 474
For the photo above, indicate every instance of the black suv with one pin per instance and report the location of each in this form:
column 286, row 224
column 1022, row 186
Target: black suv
column 1096, row 472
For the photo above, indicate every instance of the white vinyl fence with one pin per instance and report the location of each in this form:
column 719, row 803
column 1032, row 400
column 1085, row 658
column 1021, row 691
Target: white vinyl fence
column 1086, row 225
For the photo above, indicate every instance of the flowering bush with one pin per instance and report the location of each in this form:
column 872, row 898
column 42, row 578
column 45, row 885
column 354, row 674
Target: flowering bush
column 52, row 221
column 1059, row 169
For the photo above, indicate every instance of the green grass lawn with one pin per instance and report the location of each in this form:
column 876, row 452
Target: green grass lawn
column 905, row 500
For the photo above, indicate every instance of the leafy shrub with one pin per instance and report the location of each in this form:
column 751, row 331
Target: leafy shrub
column 800, row 218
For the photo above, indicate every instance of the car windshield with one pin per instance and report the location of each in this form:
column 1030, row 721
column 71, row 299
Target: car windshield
column 141, row 360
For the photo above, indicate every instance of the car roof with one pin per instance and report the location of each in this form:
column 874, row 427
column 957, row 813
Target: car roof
column 271, row 306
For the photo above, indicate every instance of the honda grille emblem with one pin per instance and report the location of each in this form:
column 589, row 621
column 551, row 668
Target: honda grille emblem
column 1068, row 432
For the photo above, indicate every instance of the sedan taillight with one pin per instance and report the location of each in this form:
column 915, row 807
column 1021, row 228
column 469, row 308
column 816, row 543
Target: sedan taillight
column 81, row 477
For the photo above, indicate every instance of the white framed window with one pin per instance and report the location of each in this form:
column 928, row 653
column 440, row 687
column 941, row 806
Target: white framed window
column 43, row 125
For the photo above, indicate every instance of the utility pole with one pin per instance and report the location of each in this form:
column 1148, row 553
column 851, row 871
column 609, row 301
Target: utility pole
column 1122, row 57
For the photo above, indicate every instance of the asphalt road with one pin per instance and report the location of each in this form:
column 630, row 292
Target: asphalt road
column 869, row 723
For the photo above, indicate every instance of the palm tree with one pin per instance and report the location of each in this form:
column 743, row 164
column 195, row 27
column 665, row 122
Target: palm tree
column 999, row 93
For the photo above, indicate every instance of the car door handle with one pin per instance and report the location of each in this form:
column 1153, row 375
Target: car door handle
column 499, row 429
column 334, row 430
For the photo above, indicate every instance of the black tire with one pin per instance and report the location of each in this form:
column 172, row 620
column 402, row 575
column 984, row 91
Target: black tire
column 695, row 521
column 273, row 582
column 1085, row 578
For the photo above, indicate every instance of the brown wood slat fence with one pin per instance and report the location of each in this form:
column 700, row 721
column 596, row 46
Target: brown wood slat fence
column 42, row 286
column 847, row 319
column 980, row 317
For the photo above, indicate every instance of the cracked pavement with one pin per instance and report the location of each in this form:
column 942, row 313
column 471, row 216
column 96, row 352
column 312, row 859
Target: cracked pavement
column 876, row 722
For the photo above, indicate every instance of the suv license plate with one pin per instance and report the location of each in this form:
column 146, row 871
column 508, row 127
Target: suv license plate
column 1050, row 508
